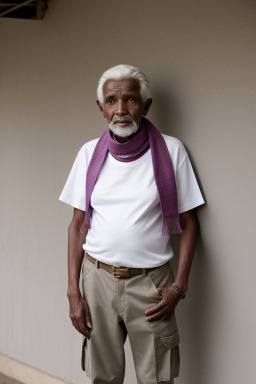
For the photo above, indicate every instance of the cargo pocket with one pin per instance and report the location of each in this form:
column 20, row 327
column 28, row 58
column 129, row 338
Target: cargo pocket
column 167, row 357
column 166, row 336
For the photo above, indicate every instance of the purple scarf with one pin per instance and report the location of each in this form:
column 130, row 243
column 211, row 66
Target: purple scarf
column 147, row 136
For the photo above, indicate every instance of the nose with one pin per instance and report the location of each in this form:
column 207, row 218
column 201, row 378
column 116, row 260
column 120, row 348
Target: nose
column 121, row 110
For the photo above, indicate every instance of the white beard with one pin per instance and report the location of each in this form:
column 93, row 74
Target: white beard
column 127, row 131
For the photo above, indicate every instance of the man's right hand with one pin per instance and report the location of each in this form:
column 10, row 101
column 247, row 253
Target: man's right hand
column 80, row 314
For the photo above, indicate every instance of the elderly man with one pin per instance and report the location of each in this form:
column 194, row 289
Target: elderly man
column 130, row 189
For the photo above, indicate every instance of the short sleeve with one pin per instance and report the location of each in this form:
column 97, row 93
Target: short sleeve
column 189, row 194
column 73, row 192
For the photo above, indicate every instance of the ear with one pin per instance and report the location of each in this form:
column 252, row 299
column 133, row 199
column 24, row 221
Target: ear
column 147, row 106
column 100, row 107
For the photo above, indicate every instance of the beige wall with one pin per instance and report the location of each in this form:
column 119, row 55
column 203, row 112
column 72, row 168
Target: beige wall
column 199, row 56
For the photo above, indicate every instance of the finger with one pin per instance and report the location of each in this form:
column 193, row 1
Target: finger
column 158, row 315
column 80, row 328
column 156, row 308
column 78, row 322
column 88, row 319
column 82, row 325
column 83, row 330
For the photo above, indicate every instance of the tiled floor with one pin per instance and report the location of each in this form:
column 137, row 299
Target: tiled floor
column 7, row 380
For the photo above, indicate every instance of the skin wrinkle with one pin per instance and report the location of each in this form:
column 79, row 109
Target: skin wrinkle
column 122, row 98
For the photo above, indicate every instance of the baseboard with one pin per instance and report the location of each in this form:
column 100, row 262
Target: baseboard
column 24, row 373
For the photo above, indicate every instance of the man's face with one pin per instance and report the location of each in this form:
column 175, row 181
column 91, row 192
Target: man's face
column 123, row 106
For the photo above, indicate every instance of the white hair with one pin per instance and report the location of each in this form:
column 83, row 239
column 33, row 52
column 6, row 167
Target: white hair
column 121, row 72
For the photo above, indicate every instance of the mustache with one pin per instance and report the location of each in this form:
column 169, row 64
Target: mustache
column 122, row 118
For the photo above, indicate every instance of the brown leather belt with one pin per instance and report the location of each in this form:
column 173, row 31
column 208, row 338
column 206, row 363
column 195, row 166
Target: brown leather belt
column 118, row 271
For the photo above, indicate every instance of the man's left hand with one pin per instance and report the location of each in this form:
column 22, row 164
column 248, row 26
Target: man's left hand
column 165, row 308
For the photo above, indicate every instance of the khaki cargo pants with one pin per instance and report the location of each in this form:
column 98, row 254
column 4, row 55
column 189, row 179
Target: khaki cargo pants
column 118, row 308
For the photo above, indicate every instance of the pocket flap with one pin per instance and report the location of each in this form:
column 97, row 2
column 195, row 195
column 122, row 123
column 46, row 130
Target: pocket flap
column 170, row 341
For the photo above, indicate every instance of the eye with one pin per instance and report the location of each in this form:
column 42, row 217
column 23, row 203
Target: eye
column 109, row 101
column 132, row 99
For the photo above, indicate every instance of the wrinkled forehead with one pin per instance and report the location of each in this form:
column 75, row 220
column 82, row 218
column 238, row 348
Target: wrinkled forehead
column 121, row 87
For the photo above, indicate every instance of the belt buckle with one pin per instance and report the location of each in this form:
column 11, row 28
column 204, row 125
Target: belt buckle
column 125, row 272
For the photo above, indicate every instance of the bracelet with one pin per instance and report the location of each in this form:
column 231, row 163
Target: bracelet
column 182, row 295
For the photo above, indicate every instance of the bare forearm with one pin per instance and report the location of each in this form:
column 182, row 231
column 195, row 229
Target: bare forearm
column 75, row 258
column 79, row 309
column 186, row 251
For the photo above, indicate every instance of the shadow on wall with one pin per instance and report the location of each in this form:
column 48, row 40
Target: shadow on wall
column 168, row 111
column 169, row 115
column 193, row 314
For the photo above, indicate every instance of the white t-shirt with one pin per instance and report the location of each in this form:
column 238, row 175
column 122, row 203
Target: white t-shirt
column 126, row 223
